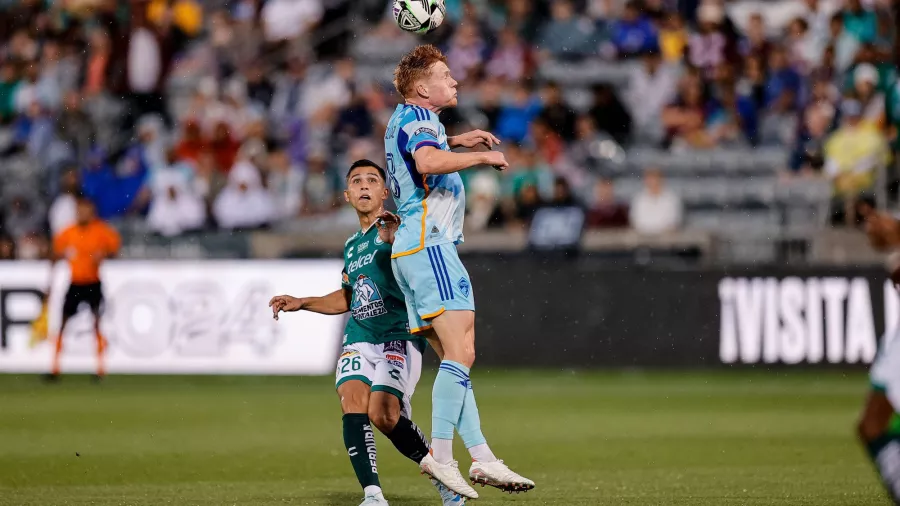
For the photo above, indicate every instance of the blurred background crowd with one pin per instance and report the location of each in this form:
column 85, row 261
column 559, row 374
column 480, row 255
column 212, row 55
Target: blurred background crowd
column 185, row 116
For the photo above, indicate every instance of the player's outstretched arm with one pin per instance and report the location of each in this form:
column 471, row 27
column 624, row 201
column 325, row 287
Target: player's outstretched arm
column 431, row 160
column 335, row 302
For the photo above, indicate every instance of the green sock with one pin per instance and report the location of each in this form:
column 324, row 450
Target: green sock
column 360, row 442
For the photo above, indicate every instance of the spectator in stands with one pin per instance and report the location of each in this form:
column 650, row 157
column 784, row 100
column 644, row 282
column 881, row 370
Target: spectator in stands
column 566, row 34
column 710, row 46
column 859, row 21
column 285, row 183
column 605, row 210
column 530, row 169
column 818, row 18
column 528, row 201
column 673, row 38
column 9, row 83
column 74, row 125
column 321, row 186
column 149, row 54
column 517, row 114
column 466, row 53
column 512, row 59
column 260, row 89
column 244, row 203
column 778, row 123
column 804, row 48
column 489, row 104
column 854, row 156
column 685, row 118
column 756, row 43
column 846, row 45
column 192, row 143
column 634, row 33
column 865, row 82
column 223, row 147
column 732, row 121
column 24, row 215
column 782, row 78
column 482, row 198
column 562, row 193
column 556, row 113
column 354, row 120
column 522, row 17
column 99, row 63
column 175, row 208
column 808, row 157
column 651, row 87
column 152, row 141
column 583, row 149
column 609, row 114
column 655, row 209
column 548, row 143
column 290, row 19
column 752, row 85
column 62, row 211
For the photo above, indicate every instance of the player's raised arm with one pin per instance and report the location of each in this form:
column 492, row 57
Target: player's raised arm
column 336, row 302
column 431, row 160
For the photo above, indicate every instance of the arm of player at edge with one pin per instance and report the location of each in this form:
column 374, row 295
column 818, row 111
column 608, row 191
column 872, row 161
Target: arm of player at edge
column 336, row 302
column 431, row 160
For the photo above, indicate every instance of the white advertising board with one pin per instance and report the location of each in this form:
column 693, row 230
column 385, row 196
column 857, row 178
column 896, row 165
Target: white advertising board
column 177, row 317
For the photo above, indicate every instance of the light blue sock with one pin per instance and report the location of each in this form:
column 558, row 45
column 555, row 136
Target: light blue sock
column 447, row 397
column 469, row 426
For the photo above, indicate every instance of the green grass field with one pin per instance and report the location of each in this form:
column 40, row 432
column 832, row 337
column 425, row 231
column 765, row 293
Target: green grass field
column 585, row 438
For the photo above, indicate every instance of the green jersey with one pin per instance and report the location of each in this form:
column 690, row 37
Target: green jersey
column 377, row 307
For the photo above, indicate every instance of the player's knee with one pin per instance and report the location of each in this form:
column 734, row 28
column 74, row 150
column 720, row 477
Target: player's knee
column 354, row 400
column 384, row 418
column 869, row 429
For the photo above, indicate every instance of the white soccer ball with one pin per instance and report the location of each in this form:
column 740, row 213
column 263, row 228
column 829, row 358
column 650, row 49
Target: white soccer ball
column 419, row 16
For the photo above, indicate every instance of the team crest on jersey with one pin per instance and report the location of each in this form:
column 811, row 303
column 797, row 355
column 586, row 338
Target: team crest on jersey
column 367, row 301
column 378, row 240
column 464, row 286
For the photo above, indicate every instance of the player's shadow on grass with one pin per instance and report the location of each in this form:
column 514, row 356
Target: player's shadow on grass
column 353, row 499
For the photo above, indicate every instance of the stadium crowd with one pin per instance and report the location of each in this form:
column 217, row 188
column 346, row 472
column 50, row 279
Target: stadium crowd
column 190, row 115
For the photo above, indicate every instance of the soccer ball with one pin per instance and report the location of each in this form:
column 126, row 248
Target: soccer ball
column 419, row 16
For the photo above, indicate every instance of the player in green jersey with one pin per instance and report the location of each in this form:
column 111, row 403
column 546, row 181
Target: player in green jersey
column 381, row 361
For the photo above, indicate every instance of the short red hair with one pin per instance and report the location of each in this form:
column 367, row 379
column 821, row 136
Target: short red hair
column 414, row 66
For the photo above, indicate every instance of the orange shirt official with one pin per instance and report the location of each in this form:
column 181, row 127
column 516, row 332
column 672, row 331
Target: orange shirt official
column 85, row 248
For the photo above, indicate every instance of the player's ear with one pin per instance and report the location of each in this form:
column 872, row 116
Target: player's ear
column 346, row 196
column 384, row 194
column 422, row 89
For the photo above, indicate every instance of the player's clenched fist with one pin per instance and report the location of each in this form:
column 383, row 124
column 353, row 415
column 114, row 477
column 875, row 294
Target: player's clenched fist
column 284, row 303
column 387, row 223
column 495, row 159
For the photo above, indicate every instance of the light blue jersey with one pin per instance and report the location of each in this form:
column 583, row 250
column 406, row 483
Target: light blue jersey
column 431, row 207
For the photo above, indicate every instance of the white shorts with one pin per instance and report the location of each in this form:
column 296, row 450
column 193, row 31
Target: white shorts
column 393, row 367
column 885, row 372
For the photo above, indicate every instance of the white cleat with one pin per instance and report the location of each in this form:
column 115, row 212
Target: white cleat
column 449, row 475
column 497, row 474
column 374, row 500
column 449, row 497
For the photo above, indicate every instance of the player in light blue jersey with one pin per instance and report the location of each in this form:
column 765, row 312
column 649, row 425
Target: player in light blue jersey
column 440, row 301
